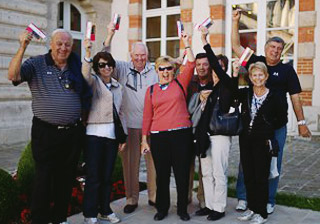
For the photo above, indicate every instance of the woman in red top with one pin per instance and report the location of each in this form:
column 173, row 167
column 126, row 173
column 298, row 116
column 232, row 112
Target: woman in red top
column 166, row 120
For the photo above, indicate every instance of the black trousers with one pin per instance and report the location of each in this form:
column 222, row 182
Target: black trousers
column 172, row 149
column 100, row 156
column 255, row 160
column 56, row 153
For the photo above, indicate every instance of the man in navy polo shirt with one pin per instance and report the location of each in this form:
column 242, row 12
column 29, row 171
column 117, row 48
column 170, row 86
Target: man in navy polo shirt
column 282, row 79
column 59, row 96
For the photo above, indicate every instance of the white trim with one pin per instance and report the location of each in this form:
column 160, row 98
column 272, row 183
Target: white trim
column 261, row 39
column 163, row 12
column 67, row 21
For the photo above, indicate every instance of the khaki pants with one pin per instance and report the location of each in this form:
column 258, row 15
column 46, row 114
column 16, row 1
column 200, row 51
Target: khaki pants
column 200, row 192
column 131, row 163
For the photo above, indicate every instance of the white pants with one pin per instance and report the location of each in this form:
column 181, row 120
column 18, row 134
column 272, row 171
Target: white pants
column 214, row 171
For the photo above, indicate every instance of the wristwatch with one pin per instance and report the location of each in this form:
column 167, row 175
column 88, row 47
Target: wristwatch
column 89, row 60
column 302, row 122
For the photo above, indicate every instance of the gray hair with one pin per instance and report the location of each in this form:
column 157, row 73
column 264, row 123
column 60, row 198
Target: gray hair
column 276, row 39
column 55, row 32
column 133, row 47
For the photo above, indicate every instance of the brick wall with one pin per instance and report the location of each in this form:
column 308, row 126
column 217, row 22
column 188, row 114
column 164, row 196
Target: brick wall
column 135, row 22
column 306, row 39
column 217, row 32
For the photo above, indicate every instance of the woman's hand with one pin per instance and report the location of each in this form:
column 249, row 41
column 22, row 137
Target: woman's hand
column 204, row 34
column 121, row 147
column 145, row 148
column 111, row 29
column 185, row 39
column 236, row 68
column 87, row 46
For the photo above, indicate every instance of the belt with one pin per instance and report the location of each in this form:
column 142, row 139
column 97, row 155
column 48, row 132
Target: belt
column 56, row 126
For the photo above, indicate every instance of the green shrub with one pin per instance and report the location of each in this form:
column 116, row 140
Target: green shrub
column 8, row 197
column 26, row 171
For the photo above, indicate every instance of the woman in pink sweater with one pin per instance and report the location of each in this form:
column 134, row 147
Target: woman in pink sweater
column 166, row 120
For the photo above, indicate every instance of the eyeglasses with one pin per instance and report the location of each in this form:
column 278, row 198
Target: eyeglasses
column 169, row 68
column 104, row 64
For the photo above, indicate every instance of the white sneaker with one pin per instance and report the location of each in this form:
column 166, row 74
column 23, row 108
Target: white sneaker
column 64, row 223
column 257, row 219
column 270, row 208
column 247, row 215
column 111, row 218
column 242, row 205
column 91, row 221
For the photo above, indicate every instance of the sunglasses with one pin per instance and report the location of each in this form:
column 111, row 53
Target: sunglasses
column 104, row 64
column 169, row 68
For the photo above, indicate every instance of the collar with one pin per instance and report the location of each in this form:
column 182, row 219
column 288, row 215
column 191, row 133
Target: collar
column 146, row 69
column 114, row 83
column 48, row 58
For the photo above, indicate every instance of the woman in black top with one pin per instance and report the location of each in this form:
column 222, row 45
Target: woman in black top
column 214, row 162
column 260, row 112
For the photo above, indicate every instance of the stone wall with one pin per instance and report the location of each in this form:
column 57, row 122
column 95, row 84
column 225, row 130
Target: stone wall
column 15, row 16
column 15, row 104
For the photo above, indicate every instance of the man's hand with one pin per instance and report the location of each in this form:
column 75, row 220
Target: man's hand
column 121, row 147
column 236, row 14
column 236, row 68
column 304, row 131
column 25, row 39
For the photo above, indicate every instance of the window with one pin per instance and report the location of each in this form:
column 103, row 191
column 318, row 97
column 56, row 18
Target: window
column 159, row 27
column 72, row 19
column 261, row 20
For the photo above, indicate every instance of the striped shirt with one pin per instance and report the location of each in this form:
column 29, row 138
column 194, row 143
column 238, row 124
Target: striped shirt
column 54, row 98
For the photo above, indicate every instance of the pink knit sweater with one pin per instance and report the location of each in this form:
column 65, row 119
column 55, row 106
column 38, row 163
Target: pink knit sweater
column 168, row 109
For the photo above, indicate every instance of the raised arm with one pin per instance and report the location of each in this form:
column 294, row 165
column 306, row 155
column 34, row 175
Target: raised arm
column 235, row 36
column 15, row 63
column 86, row 65
column 213, row 60
column 110, row 34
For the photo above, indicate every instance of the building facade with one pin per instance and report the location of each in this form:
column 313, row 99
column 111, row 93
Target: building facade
column 154, row 22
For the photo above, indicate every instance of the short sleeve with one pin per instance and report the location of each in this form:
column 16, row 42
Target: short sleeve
column 293, row 81
column 27, row 71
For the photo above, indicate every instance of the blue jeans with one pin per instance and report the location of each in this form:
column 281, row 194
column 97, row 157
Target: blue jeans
column 100, row 156
column 280, row 135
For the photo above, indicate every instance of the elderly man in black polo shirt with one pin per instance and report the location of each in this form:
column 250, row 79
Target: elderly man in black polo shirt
column 282, row 79
column 59, row 95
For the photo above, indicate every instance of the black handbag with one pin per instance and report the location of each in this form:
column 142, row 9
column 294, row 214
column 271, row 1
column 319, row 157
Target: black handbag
column 228, row 124
column 121, row 136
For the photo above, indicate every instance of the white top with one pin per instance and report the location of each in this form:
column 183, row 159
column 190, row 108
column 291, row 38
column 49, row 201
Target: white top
column 101, row 130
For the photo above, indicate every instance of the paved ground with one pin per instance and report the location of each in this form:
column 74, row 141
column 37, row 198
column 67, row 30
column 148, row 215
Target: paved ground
column 144, row 214
column 300, row 176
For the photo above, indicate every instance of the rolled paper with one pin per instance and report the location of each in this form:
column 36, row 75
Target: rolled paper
column 179, row 28
column 38, row 33
column 206, row 23
column 89, row 30
column 245, row 56
column 116, row 21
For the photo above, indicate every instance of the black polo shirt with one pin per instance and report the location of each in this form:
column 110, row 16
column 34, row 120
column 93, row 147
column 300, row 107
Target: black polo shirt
column 282, row 79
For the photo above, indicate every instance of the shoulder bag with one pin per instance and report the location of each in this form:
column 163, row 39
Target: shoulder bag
column 229, row 124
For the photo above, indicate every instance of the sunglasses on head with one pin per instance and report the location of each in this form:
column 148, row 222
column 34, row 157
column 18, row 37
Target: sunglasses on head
column 169, row 68
column 103, row 64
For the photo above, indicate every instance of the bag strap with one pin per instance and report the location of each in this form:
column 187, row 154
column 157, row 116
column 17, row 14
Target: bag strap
column 181, row 87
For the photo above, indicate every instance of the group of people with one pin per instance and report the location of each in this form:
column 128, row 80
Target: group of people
column 136, row 109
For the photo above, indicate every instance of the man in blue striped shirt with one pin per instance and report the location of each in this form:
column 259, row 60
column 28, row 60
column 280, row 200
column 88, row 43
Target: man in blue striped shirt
column 59, row 96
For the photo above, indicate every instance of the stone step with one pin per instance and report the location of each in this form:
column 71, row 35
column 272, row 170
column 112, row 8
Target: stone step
column 9, row 92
